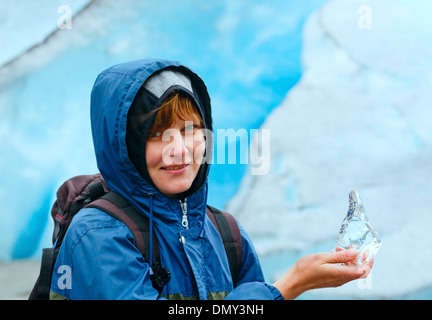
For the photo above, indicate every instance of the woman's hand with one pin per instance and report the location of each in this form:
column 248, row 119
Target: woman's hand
column 321, row 270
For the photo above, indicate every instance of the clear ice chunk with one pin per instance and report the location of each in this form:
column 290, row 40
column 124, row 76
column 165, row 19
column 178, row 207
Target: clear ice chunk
column 357, row 232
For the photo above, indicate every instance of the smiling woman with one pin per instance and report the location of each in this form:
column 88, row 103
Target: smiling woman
column 157, row 173
column 166, row 143
column 175, row 147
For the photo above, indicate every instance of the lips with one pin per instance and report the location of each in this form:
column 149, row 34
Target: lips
column 179, row 167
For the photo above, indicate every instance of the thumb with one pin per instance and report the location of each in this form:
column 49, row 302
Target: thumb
column 343, row 256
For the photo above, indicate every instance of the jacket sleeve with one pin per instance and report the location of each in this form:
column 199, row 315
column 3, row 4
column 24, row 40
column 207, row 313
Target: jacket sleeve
column 121, row 263
column 251, row 284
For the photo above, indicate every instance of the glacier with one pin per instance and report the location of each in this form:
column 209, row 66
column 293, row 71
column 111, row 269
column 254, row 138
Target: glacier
column 347, row 105
column 359, row 118
column 247, row 52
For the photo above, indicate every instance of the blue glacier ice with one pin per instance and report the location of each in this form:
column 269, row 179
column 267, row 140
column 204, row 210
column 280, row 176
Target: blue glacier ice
column 359, row 118
column 248, row 52
column 344, row 87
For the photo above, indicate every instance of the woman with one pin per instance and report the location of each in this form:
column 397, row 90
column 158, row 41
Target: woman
column 151, row 124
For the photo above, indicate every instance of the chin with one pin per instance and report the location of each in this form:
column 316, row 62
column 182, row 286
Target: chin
column 171, row 192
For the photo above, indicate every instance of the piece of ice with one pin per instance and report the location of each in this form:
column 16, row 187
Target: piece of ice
column 357, row 232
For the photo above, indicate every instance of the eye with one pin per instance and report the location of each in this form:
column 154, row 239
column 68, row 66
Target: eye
column 190, row 128
column 156, row 134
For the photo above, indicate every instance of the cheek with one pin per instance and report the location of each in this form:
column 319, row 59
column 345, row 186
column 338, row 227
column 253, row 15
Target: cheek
column 199, row 152
column 198, row 147
column 153, row 155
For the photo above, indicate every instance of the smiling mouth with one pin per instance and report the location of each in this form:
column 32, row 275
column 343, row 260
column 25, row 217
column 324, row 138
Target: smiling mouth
column 175, row 167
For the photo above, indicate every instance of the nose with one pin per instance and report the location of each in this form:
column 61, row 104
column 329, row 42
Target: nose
column 175, row 151
column 178, row 150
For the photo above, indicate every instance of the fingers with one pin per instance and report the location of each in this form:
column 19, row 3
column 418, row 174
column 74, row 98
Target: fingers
column 330, row 269
column 348, row 273
column 366, row 268
column 357, row 271
column 341, row 256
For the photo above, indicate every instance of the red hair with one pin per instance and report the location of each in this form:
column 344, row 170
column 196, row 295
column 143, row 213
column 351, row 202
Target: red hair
column 178, row 105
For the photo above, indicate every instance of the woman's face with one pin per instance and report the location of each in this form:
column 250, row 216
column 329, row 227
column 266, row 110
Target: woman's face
column 174, row 156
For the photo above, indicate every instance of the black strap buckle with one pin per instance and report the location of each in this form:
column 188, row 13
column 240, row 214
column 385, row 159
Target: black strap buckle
column 160, row 276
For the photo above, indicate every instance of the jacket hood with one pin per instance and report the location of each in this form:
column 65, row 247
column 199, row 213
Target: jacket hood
column 115, row 91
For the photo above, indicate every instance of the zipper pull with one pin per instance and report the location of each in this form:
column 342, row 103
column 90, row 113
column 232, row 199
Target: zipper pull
column 184, row 221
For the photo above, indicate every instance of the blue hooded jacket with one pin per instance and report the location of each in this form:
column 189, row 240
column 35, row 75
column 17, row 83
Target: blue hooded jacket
column 98, row 258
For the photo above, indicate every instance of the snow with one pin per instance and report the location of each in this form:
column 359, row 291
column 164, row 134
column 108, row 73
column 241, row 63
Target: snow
column 359, row 118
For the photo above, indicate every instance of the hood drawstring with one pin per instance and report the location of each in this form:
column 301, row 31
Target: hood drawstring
column 150, row 195
column 159, row 276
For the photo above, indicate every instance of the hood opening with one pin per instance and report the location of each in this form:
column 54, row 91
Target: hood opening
column 142, row 113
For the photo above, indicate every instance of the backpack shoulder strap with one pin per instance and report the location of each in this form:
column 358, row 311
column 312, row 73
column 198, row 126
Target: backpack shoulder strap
column 229, row 230
column 116, row 206
column 42, row 287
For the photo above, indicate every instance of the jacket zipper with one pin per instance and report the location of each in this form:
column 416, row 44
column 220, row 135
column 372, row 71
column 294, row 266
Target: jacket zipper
column 184, row 222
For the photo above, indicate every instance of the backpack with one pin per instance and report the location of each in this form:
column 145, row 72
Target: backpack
column 91, row 191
